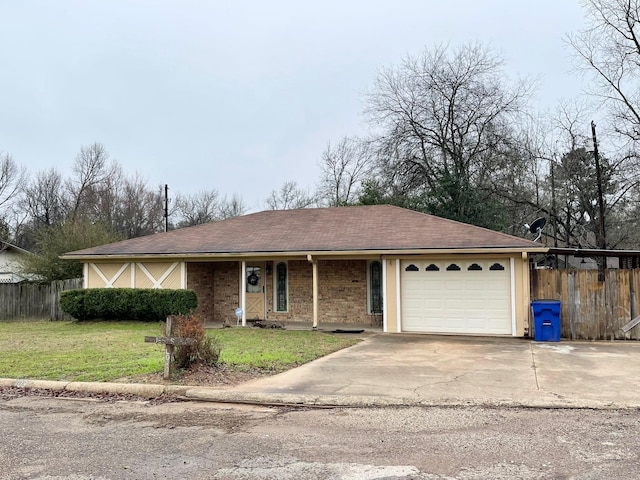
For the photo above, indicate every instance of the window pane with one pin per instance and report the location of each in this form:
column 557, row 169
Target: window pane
column 281, row 287
column 375, row 283
column 253, row 282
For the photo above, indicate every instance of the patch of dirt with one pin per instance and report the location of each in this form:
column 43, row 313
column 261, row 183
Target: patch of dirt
column 198, row 375
column 201, row 375
column 10, row 393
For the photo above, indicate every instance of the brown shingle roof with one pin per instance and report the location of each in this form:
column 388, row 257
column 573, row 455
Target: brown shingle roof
column 342, row 229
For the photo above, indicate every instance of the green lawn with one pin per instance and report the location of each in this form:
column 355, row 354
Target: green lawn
column 105, row 351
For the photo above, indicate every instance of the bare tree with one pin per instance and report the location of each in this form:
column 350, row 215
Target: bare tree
column 195, row 209
column 205, row 206
column 42, row 200
column 289, row 196
column 139, row 210
column 566, row 183
column 233, row 207
column 107, row 196
column 12, row 179
column 610, row 49
column 91, row 172
column 344, row 167
column 444, row 122
column 515, row 183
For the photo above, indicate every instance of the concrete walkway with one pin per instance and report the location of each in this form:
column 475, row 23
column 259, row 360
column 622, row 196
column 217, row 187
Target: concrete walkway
column 392, row 369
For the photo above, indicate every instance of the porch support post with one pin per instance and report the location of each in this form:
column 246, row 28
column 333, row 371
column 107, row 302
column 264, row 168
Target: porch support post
column 243, row 292
column 512, row 282
column 85, row 275
column 385, row 327
column 314, row 263
column 398, row 298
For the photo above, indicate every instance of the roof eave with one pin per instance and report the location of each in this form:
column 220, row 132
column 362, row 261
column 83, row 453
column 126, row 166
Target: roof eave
column 17, row 248
column 593, row 252
column 304, row 253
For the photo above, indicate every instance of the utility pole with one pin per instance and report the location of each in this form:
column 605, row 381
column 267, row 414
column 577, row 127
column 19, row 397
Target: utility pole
column 553, row 210
column 166, row 207
column 602, row 239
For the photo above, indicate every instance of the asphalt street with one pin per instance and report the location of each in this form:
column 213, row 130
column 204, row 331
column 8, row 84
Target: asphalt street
column 70, row 439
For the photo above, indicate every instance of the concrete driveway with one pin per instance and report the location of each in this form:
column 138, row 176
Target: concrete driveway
column 406, row 369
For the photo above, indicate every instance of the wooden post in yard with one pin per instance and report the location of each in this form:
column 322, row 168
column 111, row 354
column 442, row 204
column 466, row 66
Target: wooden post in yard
column 168, row 349
column 169, row 344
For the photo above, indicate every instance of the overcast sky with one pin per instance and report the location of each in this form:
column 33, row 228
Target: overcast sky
column 237, row 96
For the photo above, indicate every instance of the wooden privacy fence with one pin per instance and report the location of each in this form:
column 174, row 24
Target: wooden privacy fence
column 591, row 310
column 30, row 301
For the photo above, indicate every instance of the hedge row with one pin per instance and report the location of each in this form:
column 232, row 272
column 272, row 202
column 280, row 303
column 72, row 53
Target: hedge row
column 144, row 304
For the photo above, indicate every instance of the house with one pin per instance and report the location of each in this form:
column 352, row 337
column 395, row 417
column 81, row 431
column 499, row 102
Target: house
column 381, row 265
column 11, row 258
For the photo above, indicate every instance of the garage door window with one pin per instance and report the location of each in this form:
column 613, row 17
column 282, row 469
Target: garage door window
column 432, row 268
column 453, row 268
column 474, row 267
column 496, row 266
column 411, row 268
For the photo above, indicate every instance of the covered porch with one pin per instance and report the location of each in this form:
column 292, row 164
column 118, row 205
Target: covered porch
column 305, row 291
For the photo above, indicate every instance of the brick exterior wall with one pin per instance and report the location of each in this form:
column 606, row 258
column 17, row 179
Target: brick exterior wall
column 342, row 291
column 200, row 280
column 226, row 285
column 300, row 292
column 342, row 286
column 216, row 286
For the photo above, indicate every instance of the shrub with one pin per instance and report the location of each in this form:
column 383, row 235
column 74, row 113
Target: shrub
column 205, row 351
column 127, row 303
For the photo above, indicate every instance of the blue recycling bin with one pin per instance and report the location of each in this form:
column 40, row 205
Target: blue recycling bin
column 546, row 320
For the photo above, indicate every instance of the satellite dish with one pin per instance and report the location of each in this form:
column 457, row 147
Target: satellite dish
column 536, row 227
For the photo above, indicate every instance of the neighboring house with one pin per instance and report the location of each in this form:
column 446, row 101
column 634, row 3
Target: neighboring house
column 369, row 265
column 11, row 258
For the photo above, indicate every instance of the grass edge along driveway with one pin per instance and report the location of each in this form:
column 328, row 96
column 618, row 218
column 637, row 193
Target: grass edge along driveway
column 105, row 351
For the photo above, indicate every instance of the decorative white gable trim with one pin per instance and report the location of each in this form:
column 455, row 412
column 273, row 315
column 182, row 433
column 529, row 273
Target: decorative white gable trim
column 108, row 283
column 157, row 283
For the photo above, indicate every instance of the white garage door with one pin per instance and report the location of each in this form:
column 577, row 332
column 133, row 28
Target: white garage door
column 453, row 296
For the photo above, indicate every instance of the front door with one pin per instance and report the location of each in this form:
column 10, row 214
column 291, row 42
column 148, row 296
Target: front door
column 254, row 286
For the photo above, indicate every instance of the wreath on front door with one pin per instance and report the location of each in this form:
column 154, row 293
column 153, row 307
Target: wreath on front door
column 253, row 279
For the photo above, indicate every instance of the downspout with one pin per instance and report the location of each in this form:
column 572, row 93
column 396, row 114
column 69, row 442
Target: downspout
column 314, row 263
